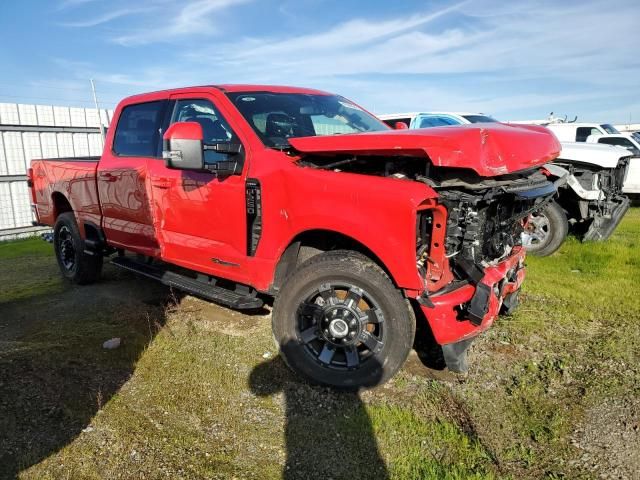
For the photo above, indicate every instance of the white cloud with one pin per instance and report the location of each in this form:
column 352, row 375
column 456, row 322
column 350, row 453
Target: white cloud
column 179, row 20
column 104, row 18
column 486, row 55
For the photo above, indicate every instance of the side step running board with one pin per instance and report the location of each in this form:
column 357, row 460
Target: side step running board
column 241, row 299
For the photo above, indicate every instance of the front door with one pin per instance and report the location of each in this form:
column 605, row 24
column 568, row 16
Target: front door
column 122, row 178
column 200, row 219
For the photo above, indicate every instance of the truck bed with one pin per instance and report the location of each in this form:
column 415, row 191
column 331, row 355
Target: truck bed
column 57, row 179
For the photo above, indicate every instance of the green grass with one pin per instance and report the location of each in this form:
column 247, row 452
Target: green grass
column 27, row 269
column 190, row 395
column 30, row 247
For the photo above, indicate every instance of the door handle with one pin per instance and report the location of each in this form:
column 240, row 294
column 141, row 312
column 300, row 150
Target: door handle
column 107, row 177
column 161, row 183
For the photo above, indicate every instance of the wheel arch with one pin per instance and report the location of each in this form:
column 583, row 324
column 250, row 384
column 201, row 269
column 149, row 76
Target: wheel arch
column 60, row 204
column 309, row 243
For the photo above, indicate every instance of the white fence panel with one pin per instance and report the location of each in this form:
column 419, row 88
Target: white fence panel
column 45, row 115
column 65, row 145
column 31, row 143
column 3, row 159
column 9, row 114
column 14, row 152
column 21, row 203
column 95, row 144
column 78, row 118
column 49, row 144
column 6, row 211
column 80, row 145
column 93, row 117
column 28, row 115
column 61, row 117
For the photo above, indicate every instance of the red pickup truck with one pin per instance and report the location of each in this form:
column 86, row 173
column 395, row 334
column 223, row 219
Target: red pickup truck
column 239, row 192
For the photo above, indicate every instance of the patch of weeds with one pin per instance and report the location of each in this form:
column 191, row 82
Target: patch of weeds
column 420, row 448
column 536, row 406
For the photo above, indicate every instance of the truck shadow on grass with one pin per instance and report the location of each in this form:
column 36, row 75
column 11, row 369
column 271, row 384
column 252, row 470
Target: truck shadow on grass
column 54, row 374
column 328, row 434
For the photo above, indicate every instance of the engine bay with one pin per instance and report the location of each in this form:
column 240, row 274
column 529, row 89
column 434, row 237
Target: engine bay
column 486, row 215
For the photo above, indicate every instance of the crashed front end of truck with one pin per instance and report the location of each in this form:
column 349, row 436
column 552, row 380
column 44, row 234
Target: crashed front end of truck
column 485, row 182
column 482, row 257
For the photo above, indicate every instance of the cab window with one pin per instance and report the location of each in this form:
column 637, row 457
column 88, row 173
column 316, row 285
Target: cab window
column 137, row 133
column 582, row 133
column 215, row 128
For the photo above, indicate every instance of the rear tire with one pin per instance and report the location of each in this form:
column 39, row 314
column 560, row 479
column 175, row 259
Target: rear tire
column 340, row 322
column 548, row 229
column 75, row 265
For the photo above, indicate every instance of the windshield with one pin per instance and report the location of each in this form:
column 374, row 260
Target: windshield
column 609, row 128
column 275, row 117
column 427, row 121
column 480, row 119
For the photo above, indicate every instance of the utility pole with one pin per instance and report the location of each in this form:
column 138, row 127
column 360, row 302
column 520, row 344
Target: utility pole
column 95, row 100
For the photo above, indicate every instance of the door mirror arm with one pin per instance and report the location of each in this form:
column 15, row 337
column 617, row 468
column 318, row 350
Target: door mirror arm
column 224, row 168
column 230, row 148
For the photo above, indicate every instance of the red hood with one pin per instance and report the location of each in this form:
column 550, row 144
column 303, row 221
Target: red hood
column 489, row 150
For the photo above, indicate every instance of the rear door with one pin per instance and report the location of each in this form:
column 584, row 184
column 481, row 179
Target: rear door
column 201, row 218
column 122, row 178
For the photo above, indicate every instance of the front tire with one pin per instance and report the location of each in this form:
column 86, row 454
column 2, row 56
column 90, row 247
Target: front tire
column 340, row 322
column 75, row 265
column 547, row 230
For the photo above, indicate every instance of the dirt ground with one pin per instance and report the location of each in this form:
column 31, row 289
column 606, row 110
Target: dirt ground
column 198, row 391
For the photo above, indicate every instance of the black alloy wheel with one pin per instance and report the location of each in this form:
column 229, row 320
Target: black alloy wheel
column 66, row 250
column 75, row 262
column 340, row 321
column 341, row 326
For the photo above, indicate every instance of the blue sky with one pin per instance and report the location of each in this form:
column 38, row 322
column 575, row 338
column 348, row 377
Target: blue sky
column 515, row 60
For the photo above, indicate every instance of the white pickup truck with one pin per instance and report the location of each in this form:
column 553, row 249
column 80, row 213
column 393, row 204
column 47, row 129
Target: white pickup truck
column 579, row 132
column 591, row 178
column 590, row 201
column 630, row 141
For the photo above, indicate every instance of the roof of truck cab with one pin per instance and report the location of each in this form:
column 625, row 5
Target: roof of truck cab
column 230, row 88
column 269, row 88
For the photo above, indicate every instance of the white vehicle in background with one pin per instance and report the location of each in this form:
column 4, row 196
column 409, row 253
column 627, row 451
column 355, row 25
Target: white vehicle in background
column 590, row 178
column 630, row 141
column 435, row 119
column 579, row 132
column 590, row 202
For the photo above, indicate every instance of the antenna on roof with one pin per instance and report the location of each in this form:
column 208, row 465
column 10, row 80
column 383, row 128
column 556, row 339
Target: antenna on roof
column 95, row 100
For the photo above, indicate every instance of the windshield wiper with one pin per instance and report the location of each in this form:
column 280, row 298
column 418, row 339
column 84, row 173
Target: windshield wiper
column 285, row 147
column 328, row 166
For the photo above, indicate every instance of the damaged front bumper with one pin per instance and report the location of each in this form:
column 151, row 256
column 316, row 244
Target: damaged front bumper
column 603, row 226
column 459, row 312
